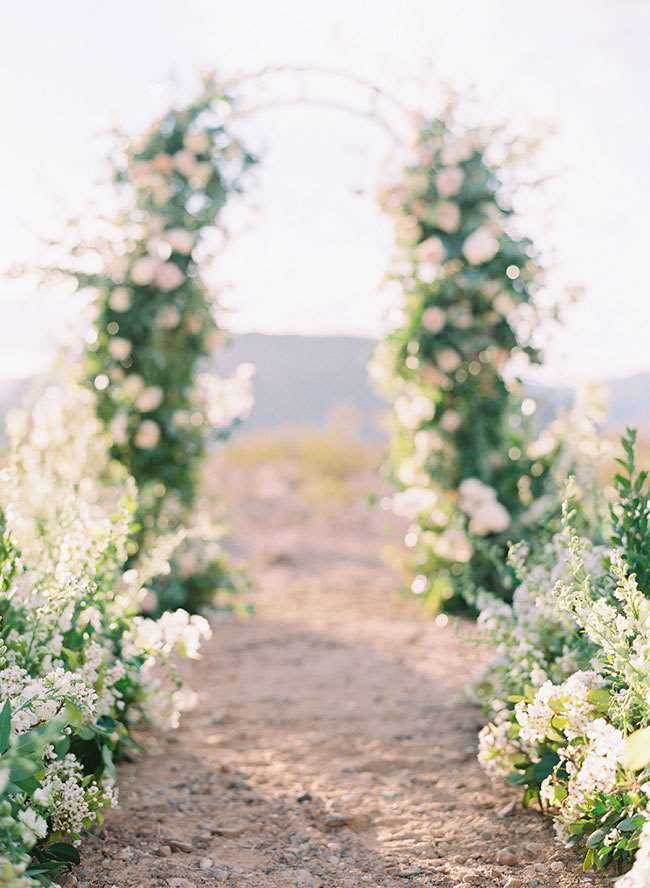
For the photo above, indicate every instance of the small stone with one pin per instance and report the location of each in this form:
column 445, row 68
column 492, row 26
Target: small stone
column 125, row 854
column 228, row 832
column 409, row 871
column 336, row 821
column 164, row 851
column 180, row 883
column 305, row 797
column 505, row 857
column 513, row 882
column 206, row 863
column 218, row 874
column 180, row 845
column 507, row 810
column 556, row 866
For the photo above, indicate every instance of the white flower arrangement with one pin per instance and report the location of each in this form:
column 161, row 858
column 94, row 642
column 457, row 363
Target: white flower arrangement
column 78, row 665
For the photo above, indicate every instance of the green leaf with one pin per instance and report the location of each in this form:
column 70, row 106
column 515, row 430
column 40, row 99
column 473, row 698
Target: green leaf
column 5, row 726
column 631, row 824
column 636, row 753
column 596, row 838
column 64, row 852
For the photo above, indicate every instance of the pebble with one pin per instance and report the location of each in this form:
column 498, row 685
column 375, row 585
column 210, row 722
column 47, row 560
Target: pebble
column 179, row 845
column 505, row 857
column 180, row 883
column 206, row 863
column 164, row 851
column 409, row 871
column 228, row 832
column 513, row 882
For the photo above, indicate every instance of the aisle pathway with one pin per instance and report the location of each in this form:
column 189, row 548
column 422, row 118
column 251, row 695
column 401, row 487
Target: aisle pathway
column 332, row 746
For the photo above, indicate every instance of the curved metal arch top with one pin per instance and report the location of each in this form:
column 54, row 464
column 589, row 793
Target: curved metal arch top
column 287, row 85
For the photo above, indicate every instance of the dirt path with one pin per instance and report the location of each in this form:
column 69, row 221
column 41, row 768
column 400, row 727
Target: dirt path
column 332, row 745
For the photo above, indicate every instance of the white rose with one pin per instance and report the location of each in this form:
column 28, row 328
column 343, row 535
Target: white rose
column 453, row 545
column 120, row 299
column 144, row 270
column 448, row 216
column 168, row 318
column 201, row 175
column 474, row 494
column 163, row 163
column 116, row 266
column 449, row 181
column 431, row 250
column 148, row 434
column 184, row 162
column 198, row 143
column 433, row 376
column 133, row 385
column 180, row 240
column 490, row 518
column 450, row 420
column 118, row 428
column 434, row 319
column 481, row 246
column 448, row 360
column 119, row 348
column 458, row 151
column 149, row 398
column 413, row 502
column 504, row 304
column 169, row 276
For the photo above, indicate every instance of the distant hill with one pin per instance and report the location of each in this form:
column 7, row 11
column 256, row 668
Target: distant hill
column 308, row 380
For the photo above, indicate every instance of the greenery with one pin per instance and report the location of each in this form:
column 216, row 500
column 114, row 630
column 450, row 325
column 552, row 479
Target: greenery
column 462, row 450
column 155, row 319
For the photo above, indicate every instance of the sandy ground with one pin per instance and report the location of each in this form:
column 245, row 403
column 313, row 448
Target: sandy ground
column 333, row 744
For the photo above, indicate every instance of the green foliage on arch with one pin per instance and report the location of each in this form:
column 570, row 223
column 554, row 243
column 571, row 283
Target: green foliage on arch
column 462, row 448
column 155, row 318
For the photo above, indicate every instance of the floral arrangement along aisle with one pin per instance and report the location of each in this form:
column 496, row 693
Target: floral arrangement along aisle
column 462, row 445
column 569, row 695
column 78, row 667
column 155, row 320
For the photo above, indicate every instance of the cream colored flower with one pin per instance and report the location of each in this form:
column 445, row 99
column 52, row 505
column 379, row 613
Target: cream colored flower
column 481, row 246
column 168, row 318
column 169, row 276
column 180, row 240
column 448, row 360
column 119, row 348
column 120, row 299
column 144, row 270
column 197, row 143
column 148, row 435
column 431, row 250
column 448, row 216
column 449, row 181
column 149, row 399
column 434, row 319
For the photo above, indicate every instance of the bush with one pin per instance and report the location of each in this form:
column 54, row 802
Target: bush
column 79, row 669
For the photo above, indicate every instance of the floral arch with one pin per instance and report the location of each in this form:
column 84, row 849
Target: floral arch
column 465, row 278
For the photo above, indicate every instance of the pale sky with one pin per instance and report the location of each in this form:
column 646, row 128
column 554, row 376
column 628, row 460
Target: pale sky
column 314, row 247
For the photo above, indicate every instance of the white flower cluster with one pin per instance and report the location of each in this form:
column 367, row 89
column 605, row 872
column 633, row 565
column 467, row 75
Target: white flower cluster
column 466, row 279
column 74, row 652
column 479, row 502
column 571, row 684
